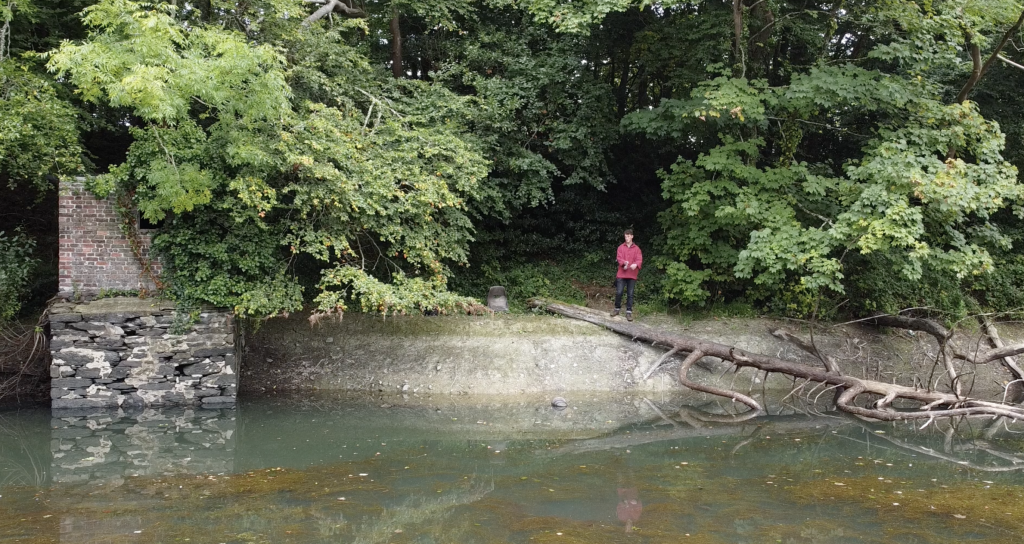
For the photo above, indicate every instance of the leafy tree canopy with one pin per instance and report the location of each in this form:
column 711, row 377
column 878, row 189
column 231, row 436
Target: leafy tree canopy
column 368, row 154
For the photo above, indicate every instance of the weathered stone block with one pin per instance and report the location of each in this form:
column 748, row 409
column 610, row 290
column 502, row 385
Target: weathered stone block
column 112, row 330
column 65, row 318
column 119, row 372
column 87, row 326
column 211, row 351
column 205, row 368
column 110, row 402
column 113, row 318
column 220, row 380
column 82, row 356
column 133, row 400
column 61, row 343
column 210, row 392
column 58, row 392
column 175, row 397
column 72, row 336
column 109, row 342
column 70, row 383
column 93, row 373
column 61, row 371
column 165, row 386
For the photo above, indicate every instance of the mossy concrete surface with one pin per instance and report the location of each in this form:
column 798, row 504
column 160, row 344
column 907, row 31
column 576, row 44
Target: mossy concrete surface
column 519, row 354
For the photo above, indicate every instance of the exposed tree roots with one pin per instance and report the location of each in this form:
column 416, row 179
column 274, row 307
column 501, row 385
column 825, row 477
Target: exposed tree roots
column 23, row 357
column 857, row 396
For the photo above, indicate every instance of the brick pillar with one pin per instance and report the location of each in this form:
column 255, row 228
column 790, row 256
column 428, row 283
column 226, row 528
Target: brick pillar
column 94, row 254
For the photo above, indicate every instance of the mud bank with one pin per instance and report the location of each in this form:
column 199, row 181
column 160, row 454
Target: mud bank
column 542, row 354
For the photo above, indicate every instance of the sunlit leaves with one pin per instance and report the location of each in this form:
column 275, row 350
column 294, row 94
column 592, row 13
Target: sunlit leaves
column 140, row 57
column 388, row 196
column 38, row 132
column 355, row 175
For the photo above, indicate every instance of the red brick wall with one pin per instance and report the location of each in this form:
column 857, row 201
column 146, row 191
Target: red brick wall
column 94, row 254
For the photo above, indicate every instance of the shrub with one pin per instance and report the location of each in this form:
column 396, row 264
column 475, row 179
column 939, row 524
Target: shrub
column 16, row 267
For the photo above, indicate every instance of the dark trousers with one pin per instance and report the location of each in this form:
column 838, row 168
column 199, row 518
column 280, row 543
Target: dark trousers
column 628, row 284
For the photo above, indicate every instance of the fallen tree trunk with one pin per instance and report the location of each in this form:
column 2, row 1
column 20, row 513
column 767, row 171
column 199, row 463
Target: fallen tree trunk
column 933, row 404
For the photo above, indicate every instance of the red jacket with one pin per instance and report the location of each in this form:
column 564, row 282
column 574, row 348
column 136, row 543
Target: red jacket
column 631, row 255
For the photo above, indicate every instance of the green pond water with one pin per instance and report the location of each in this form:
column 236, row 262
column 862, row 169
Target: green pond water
column 310, row 470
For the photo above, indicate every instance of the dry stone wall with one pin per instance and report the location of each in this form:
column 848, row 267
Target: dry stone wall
column 125, row 352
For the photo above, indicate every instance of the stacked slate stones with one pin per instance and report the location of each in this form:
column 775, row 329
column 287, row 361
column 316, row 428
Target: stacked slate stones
column 123, row 352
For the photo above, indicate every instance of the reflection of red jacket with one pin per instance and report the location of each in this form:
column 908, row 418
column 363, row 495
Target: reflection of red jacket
column 629, row 508
column 629, row 254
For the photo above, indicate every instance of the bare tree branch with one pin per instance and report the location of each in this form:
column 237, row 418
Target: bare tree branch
column 979, row 68
column 1010, row 62
column 993, row 337
column 657, row 363
column 331, row 6
column 830, row 364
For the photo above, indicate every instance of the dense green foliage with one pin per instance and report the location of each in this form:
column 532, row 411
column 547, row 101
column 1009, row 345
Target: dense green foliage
column 801, row 156
column 16, row 264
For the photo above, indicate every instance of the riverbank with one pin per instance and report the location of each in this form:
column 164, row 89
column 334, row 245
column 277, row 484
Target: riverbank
column 505, row 354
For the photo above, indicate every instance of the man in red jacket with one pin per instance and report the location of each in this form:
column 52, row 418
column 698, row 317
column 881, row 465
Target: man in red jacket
column 630, row 260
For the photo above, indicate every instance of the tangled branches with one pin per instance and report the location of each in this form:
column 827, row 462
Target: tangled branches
column 881, row 403
column 23, row 356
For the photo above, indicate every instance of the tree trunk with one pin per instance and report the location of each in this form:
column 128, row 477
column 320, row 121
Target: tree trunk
column 738, row 60
column 396, row 45
column 979, row 68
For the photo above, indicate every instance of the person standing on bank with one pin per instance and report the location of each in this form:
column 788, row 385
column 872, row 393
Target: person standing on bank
column 630, row 260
